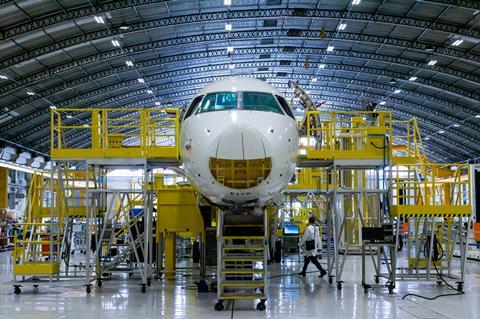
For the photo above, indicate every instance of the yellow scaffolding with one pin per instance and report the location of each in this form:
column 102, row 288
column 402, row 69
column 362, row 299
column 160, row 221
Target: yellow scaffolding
column 116, row 133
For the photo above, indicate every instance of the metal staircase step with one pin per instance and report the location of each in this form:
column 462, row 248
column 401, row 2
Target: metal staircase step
column 237, row 258
column 242, row 271
column 243, row 247
column 243, row 284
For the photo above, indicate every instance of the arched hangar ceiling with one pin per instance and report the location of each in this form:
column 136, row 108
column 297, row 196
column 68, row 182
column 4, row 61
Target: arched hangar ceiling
column 414, row 57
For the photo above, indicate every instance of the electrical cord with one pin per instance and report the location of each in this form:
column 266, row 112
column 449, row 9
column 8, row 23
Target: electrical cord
column 426, row 252
column 379, row 147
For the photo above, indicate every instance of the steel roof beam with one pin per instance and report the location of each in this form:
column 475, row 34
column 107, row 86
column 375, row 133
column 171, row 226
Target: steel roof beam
column 67, row 15
column 201, row 70
column 242, row 35
column 406, row 114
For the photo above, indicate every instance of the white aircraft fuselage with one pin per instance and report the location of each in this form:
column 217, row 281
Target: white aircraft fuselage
column 239, row 142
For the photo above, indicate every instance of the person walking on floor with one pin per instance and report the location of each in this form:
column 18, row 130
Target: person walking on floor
column 311, row 243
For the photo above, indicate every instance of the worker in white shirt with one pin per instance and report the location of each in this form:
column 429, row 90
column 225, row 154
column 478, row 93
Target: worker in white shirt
column 310, row 242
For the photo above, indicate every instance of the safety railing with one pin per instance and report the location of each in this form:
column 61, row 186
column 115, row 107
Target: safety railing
column 351, row 135
column 98, row 133
column 407, row 143
column 362, row 135
column 431, row 189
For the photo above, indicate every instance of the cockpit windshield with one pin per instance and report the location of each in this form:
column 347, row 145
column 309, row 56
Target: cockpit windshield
column 251, row 101
column 256, row 101
column 219, row 101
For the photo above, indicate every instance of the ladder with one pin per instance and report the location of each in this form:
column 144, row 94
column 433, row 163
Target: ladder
column 242, row 254
column 36, row 249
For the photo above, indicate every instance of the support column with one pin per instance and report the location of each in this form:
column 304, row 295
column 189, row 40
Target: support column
column 3, row 188
column 170, row 256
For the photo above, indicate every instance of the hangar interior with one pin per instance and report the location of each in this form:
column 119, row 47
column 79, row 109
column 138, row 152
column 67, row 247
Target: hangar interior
column 166, row 158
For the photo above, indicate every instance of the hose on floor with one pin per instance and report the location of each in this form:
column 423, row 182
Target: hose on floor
column 437, row 247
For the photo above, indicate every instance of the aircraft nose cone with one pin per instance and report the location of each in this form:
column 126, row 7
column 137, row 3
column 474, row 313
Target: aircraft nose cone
column 241, row 160
column 241, row 142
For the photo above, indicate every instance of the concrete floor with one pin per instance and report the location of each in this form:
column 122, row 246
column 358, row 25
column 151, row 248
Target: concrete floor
column 289, row 297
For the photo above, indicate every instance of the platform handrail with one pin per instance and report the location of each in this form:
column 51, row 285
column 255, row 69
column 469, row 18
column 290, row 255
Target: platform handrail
column 115, row 132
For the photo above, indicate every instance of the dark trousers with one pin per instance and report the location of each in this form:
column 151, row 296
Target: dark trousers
column 314, row 261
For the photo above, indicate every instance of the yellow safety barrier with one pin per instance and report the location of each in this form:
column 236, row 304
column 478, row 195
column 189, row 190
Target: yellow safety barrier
column 408, row 148
column 121, row 133
column 362, row 135
column 431, row 190
column 348, row 135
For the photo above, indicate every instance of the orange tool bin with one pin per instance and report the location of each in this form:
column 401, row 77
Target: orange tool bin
column 476, row 232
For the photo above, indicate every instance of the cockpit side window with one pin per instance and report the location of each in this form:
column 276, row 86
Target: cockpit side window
column 219, row 101
column 258, row 101
column 285, row 106
column 196, row 101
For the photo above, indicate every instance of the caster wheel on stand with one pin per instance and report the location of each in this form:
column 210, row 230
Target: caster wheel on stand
column 366, row 288
column 219, row 306
column 261, row 306
column 377, row 280
column 35, row 286
column 17, row 290
column 149, row 281
column 88, row 289
column 391, row 288
column 99, row 283
column 460, row 286
column 144, row 288
column 339, row 285
column 330, row 279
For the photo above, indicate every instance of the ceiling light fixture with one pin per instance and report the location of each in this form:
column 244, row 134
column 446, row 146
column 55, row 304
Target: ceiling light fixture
column 30, row 93
column 330, row 48
column 457, row 43
column 3, row 77
column 314, row 80
column 129, row 63
column 141, row 80
column 432, row 62
column 477, row 116
column 124, row 27
column 456, row 125
column 382, row 103
column 157, row 103
column 149, row 91
column 413, row 78
column 356, row 2
column 441, row 131
column 115, row 43
column 53, row 107
column 69, row 116
column 427, row 138
column 321, row 66
column 227, row 2
column 99, row 19
column 231, row 66
column 342, row 26
column 397, row 91
column 229, row 49
column 228, row 27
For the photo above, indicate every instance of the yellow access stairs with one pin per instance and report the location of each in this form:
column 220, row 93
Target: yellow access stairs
column 36, row 249
column 242, row 259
